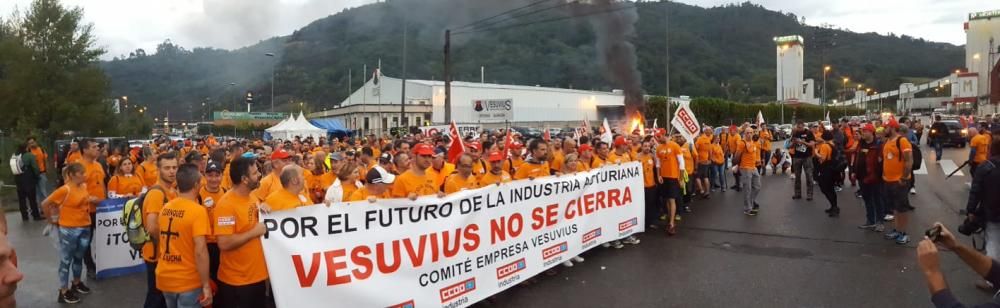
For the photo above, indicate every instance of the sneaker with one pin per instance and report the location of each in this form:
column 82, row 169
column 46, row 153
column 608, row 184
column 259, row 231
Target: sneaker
column 838, row 188
column 879, row 228
column 796, row 197
column 577, row 259
column 903, row 239
column 756, row 206
column 749, row 213
column 687, row 209
column 68, row 297
column 677, row 217
column 606, row 245
column 913, row 191
column 663, row 217
column 568, row 263
column 810, row 198
column 80, row 288
column 892, row 234
column 867, row 226
column 984, row 285
column 631, row 240
column 617, row 244
column 91, row 274
column 653, row 227
column 755, row 211
column 888, row 217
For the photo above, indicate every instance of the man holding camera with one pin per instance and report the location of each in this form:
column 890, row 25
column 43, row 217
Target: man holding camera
column 983, row 208
column 930, row 264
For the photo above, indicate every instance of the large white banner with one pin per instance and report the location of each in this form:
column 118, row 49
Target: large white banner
column 111, row 251
column 451, row 251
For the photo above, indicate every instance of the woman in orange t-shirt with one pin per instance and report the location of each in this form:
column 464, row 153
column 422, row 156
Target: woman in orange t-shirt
column 827, row 174
column 69, row 208
column 124, row 183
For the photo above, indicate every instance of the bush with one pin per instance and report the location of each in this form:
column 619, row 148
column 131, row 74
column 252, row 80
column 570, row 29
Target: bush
column 718, row 112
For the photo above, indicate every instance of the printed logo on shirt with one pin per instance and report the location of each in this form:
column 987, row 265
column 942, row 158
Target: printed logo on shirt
column 226, row 221
column 208, row 202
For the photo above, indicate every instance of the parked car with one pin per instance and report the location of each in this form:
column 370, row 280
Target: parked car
column 785, row 129
column 528, row 132
column 956, row 135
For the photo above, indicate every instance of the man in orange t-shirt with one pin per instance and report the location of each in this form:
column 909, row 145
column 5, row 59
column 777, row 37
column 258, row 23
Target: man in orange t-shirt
column 537, row 166
column 979, row 149
column 703, row 146
column 209, row 196
column 377, row 184
column 463, row 178
column 496, row 174
column 95, row 187
column 159, row 194
column 748, row 157
column 647, row 158
column 671, row 166
column 242, row 271
column 897, row 162
column 417, row 181
column 182, row 273
column 289, row 195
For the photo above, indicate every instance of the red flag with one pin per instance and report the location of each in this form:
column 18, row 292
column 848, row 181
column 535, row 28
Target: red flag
column 507, row 143
column 456, row 148
column 546, row 135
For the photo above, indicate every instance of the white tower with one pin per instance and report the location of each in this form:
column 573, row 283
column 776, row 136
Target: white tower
column 981, row 50
column 790, row 52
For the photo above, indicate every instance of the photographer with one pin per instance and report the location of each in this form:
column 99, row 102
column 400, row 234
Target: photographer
column 983, row 208
column 930, row 265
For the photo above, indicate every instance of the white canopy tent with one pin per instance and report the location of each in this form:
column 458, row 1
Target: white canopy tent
column 291, row 127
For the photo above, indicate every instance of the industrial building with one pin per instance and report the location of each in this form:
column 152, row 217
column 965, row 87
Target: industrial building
column 375, row 107
column 982, row 53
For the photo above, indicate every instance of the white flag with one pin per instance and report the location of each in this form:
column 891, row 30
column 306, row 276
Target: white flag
column 654, row 124
column 685, row 123
column 606, row 132
column 760, row 118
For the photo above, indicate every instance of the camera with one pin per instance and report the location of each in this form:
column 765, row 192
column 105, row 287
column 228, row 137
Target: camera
column 971, row 225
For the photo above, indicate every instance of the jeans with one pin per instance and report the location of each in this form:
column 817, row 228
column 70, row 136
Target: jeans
column 42, row 190
column 653, row 208
column 826, row 181
column 247, row 296
column 766, row 159
column 874, row 211
column 751, row 187
column 187, row 299
column 803, row 167
column 154, row 298
column 719, row 176
column 992, row 239
column 73, row 244
column 938, row 148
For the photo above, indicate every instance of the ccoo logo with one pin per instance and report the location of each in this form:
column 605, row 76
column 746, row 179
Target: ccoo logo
column 593, row 234
column 628, row 224
column 511, row 269
column 454, row 291
column 554, row 250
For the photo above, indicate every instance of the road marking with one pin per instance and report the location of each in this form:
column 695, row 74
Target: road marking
column 949, row 166
column 923, row 168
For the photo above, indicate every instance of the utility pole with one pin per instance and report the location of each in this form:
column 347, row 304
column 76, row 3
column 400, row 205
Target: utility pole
column 447, row 76
column 350, row 88
column 402, row 98
column 666, row 40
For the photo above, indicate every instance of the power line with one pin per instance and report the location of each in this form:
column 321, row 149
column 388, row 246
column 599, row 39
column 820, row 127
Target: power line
column 502, row 14
column 509, row 18
column 545, row 20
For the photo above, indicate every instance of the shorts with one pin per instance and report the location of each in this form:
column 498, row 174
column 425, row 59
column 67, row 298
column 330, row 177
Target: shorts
column 704, row 171
column 897, row 196
column 671, row 189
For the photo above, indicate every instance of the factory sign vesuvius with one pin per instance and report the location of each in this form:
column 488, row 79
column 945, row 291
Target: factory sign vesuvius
column 492, row 110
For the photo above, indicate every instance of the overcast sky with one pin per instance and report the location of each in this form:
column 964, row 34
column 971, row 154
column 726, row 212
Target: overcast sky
column 125, row 25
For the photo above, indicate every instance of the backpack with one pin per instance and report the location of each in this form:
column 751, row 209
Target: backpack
column 132, row 220
column 838, row 162
column 16, row 165
column 918, row 157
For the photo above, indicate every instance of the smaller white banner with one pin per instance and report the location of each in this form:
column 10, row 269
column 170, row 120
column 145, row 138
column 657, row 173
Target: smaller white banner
column 110, row 248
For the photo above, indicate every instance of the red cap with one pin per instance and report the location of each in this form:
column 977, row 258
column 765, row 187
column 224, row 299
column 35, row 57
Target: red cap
column 892, row 123
column 516, row 145
column 475, row 145
column 660, row 132
column 869, row 128
column 732, row 128
column 187, row 142
column 620, row 140
column 279, row 154
column 585, row 147
column 495, row 156
column 423, row 149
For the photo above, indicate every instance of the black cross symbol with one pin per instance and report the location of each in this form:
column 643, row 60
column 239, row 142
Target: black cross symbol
column 169, row 233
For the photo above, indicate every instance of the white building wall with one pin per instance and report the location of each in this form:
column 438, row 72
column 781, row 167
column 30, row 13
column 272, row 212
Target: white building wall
column 977, row 49
column 529, row 104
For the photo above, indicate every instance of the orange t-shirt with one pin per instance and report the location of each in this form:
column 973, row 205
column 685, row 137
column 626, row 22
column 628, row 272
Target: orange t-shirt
column 181, row 221
column 235, row 214
column 147, row 173
column 716, row 154
column 114, row 160
column 596, row 162
column 648, row 167
column 73, row 157
column 704, row 147
column 892, row 159
column 281, row 200
column 209, row 200
column 734, row 143
column 227, row 182
column 95, row 179
column 582, row 166
column 409, row 182
column 362, row 194
column 558, row 159
column 125, row 185
column 456, row 183
column 349, row 188
column 669, row 165
column 268, row 185
column 440, row 176
column 532, row 170
column 152, row 204
column 74, row 210
column 614, row 158
column 479, row 167
column 40, row 158
column 489, row 178
column 689, row 160
column 981, row 143
column 750, row 154
column 823, row 152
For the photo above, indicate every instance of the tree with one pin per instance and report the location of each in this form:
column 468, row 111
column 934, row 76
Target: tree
column 52, row 80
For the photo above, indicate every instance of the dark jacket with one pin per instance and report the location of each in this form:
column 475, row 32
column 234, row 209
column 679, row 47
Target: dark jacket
column 944, row 298
column 867, row 167
column 981, row 196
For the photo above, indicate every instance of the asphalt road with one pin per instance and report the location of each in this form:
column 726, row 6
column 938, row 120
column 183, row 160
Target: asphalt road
column 791, row 255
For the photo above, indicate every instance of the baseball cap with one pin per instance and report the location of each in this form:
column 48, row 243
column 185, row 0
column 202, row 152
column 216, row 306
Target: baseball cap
column 620, row 140
column 661, row 131
column 495, row 156
column 475, row 145
column 585, row 147
column 279, row 154
column 378, row 175
column 892, row 123
column 439, row 151
column 337, row 156
column 423, row 149
column 213, row 166
column 516, row 145
column 385, row 158
column 869, row 128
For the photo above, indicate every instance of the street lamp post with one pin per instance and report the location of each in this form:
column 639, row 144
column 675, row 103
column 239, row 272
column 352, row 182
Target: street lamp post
column 272, row 82
column 826, row 70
